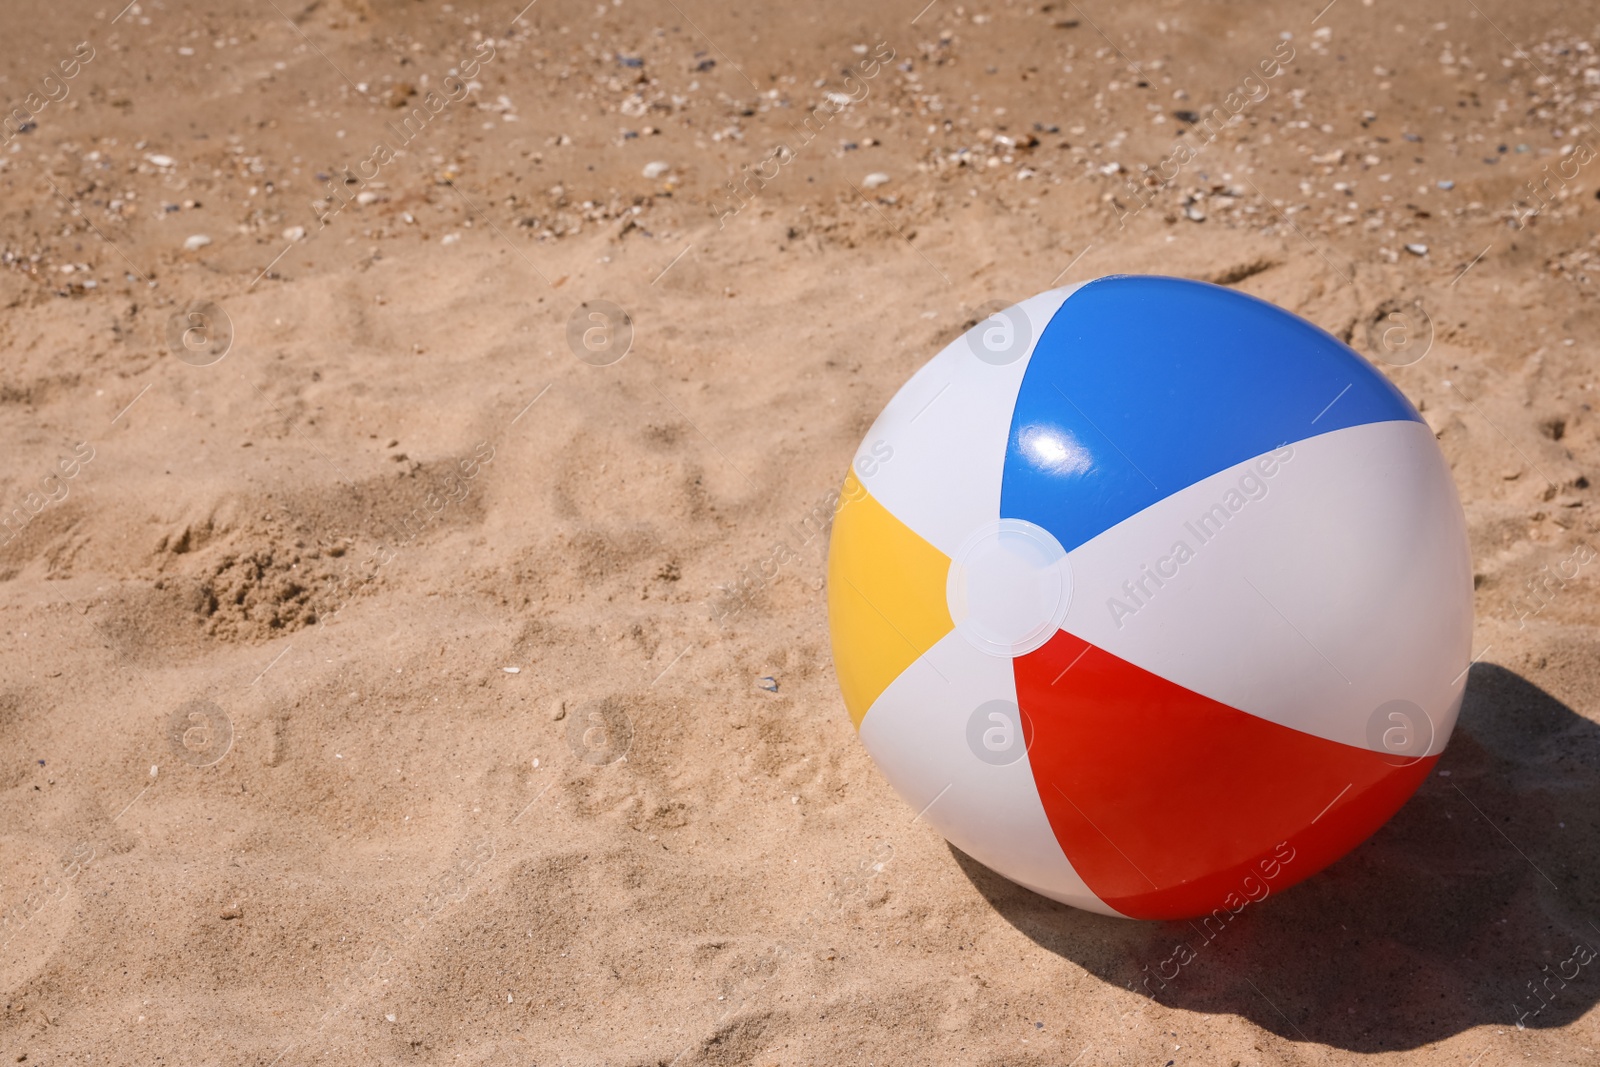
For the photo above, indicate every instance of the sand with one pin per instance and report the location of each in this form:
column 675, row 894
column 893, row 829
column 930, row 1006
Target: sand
column 385, row 683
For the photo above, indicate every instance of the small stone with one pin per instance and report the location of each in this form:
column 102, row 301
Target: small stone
column 558, row 709
column 161, row 161
column 512, row 670
column 1447, row 184
column 195, row 242
column 875, row 179
column 1417, row 250
column 656, row 169
column 233, row 911
column 294, row 233
column 368, row 197
column 769, row 683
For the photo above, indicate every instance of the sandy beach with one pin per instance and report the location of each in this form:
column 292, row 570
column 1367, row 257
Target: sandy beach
column 419, row 422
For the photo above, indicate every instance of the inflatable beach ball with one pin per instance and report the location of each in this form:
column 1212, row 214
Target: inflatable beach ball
column 1151, row 597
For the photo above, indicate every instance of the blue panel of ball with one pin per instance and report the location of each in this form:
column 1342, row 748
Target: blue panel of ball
column 1121, row 406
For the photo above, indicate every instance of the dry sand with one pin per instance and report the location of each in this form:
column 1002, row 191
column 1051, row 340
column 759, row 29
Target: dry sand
column 391, row 689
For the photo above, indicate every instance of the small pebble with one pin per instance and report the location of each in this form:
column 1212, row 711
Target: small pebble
column 512, row 670
column 1417, row 250
column 195, row 242
column 294, row 233
column 875, row 179
column 161, row 161
column 769, row 683
column 1447, row 184
column 656, row 169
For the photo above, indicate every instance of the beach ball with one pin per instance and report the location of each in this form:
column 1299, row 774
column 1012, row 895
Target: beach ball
column 1150, row 596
